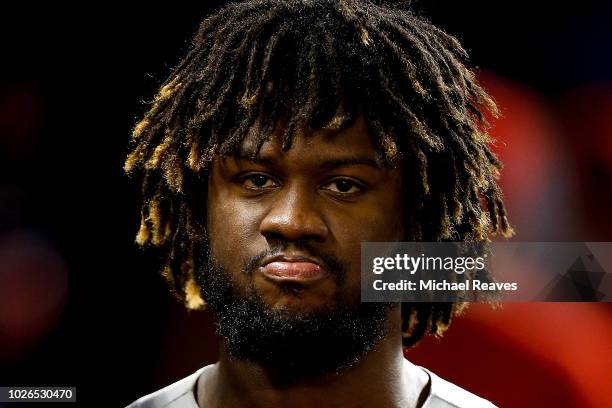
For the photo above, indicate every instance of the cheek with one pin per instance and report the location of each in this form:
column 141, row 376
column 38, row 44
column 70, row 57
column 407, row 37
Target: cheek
column 228, row 226
column 379, row 219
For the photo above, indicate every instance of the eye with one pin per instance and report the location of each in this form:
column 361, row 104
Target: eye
column 257, row 181
column 343, row 186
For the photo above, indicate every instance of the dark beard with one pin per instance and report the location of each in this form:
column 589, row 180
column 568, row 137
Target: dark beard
column 291, row 345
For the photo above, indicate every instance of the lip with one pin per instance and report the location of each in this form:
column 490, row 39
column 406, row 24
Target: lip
column 293, row 269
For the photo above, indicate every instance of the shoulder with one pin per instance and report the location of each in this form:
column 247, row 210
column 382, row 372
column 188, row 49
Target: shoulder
column 177, row 395
column 444, row 394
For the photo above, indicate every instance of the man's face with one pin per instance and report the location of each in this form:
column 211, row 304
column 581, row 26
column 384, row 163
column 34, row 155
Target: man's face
column 286, row 229
column 320, row 199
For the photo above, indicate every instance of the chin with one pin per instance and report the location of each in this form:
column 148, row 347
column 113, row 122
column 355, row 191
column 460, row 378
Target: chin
column 298, row 307
column 306, row 299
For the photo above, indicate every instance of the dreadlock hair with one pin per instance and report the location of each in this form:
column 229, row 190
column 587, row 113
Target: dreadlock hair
column 320, row 64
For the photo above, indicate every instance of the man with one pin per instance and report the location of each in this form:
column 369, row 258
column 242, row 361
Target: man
column 291, row 132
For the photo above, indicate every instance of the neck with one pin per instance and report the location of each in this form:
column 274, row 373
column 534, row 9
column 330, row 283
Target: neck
column 378, row 380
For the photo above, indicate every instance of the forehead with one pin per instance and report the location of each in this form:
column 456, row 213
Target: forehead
column 352, row 143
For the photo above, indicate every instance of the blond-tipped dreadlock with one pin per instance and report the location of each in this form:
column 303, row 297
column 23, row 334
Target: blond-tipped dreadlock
column 320, row 64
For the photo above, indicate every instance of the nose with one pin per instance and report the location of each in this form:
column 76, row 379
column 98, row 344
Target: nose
column 294, row 216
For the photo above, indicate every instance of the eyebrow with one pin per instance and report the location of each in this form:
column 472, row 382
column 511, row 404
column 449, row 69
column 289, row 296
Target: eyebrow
column 327, row 164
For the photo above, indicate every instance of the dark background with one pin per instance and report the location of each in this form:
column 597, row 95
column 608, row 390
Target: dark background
column 81, row 306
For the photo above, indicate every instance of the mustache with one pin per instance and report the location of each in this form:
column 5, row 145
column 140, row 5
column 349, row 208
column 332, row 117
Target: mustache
column 331, row 263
